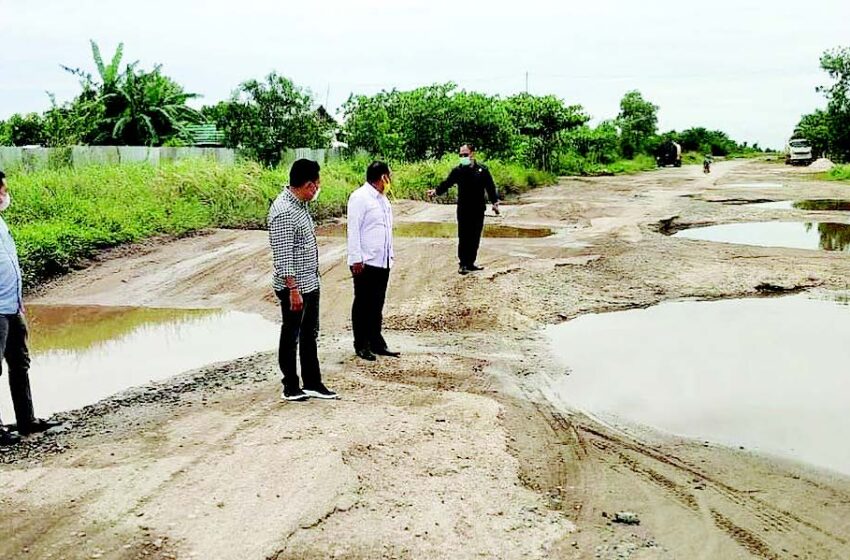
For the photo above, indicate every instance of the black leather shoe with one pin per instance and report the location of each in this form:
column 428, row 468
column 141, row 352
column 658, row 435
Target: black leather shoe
column 387, row 352
column 366, row 355
column 8, row 438
column 463, row 270
column 36, row 426
column 475, row 268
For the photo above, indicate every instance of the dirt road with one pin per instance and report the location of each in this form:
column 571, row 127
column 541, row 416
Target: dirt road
column 457, row 450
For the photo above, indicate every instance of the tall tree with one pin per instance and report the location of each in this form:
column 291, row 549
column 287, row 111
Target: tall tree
column 815, row 127
column 638, row 122
column 542, row 121
column 265, row 117
column 836, row 63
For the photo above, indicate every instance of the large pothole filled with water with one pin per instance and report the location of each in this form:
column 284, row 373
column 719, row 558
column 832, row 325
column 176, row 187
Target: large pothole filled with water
column 82, row 354
column 826, row 236
column 812, row 205
column 769, row 374
column 751, row 185
column 444, row 230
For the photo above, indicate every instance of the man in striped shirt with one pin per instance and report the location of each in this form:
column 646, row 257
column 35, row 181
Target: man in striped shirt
column 296, row 282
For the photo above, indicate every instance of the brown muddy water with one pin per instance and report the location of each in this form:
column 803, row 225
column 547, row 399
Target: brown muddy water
column 443, row 230
column 825, row 236
column 768, row 374
column 82, row 354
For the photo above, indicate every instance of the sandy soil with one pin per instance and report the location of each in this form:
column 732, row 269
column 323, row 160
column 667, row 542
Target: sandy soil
column 457, row 450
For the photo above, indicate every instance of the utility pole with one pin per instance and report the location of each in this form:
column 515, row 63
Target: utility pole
column 526, row 81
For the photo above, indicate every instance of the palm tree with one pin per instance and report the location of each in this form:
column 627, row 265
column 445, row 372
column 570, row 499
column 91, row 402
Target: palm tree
column 133, row 107
column 152, row 108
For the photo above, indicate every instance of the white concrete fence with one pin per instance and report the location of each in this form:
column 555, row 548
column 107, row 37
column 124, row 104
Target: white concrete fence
column 37, row 158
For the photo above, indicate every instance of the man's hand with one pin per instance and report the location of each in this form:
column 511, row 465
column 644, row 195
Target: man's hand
column 496, row 208
column 296, row 302
column 431, row 193
column 357, row 269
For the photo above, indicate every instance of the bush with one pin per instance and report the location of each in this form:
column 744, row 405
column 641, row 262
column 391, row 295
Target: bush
column 839, row 173
column 575, row 165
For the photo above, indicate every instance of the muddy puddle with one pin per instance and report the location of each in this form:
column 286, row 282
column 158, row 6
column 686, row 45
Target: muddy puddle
column 768, row 374
column 824, row 236
column 444, row 230
column 81, row 354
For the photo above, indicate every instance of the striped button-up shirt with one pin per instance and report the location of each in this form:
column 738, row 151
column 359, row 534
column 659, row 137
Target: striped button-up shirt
column 370, row 228
column 11, row 288
column 293, row 240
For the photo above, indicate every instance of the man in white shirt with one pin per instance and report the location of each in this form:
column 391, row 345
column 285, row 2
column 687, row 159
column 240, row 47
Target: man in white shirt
column 370, row 256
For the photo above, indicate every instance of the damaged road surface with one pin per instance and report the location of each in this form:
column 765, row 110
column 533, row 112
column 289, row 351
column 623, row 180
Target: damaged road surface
column 463, row 447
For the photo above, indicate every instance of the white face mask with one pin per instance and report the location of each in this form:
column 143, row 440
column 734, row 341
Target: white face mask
column 315, row 196
column 5, row 201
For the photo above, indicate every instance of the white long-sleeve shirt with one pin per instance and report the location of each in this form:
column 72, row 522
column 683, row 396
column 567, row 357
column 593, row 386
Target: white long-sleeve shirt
column 370, row 228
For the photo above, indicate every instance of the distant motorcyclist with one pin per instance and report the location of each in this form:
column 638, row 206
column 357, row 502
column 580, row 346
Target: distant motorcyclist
column 706, row 164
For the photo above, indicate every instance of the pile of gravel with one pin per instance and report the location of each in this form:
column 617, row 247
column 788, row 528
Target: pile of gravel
column 819, row 166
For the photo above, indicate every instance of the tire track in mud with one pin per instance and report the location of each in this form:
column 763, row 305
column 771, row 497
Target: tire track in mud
column 776, row 518
column 676, row 490
column 614, row 449
column 746, row 539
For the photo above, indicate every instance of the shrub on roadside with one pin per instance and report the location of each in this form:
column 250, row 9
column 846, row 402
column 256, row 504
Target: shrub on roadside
column 839, row 173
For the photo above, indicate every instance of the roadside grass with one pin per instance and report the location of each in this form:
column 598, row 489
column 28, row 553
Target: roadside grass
column 574, row 165
column 837, row 173
column 61, row 216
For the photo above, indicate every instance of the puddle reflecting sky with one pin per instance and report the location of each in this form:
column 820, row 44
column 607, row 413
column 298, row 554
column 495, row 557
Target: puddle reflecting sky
column 769, row 374
column 443, row 230
column 81, row 354
column 776, row 205
column 794, row 235
column 753, row 185
column 815, row 205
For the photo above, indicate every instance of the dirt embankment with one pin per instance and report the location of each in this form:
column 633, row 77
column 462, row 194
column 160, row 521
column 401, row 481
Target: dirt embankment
column 457, row 450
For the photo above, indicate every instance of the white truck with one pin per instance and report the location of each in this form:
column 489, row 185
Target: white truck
column 798, row 151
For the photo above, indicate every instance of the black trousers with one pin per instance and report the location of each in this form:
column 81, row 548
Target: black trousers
column 470, row 224
column 299, row 331
column 367, row 311
column 13, row 347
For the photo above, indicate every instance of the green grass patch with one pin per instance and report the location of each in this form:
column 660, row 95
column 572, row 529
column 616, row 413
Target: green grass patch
column 837, row 173
column 692, row 158
column 572, row 164
column 61, row 216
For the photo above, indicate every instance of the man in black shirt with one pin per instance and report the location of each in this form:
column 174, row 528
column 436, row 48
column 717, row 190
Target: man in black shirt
column 473, row 180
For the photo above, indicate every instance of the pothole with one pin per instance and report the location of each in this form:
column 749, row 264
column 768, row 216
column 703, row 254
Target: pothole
column 82, row 354
column 825, row 236
column 759, row 373
column 443, row 230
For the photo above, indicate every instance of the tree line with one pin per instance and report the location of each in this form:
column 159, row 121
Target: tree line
column 129, row 105
column 828, row 129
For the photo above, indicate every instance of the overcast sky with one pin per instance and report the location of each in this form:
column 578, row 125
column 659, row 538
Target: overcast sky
column 749, row 68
